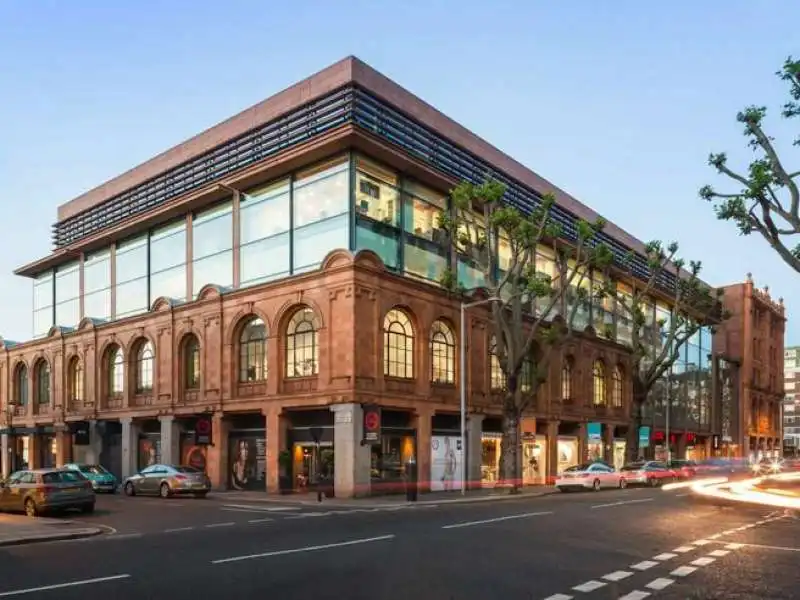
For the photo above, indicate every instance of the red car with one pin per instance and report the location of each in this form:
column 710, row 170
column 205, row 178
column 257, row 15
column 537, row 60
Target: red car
column 651, row 473
column 686, row 469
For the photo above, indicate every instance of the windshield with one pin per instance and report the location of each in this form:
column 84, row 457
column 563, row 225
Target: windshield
column 92, row 469
column 633, row 467
column 576, row 468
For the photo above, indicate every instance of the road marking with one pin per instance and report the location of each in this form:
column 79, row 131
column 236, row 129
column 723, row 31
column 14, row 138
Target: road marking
column 681, row 495
column 617, row 575
column 733, row 546
column 242, row 510
column 761, row 546
column 305, row 549
column 495, row 520
column 665, row 556
column 559, row 597
column 729, row 531
column 259, row 508
column 703, row 561
column 684, row 549
column 660, row 583
column 260, row 520
column 589, row 586
column 635, row 595
column 644, row 565
column 59, row 586
column 719, row 553
column 121, row 536
column 228, row 524
column 716, row 536
column 621, row 503
column 683, row 571
column 177, row 529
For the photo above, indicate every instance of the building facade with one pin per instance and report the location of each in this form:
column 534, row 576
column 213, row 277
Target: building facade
column 263, row 301
column 750, row 346
column 791, row 402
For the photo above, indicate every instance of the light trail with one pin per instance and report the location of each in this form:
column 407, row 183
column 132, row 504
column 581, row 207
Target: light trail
column 744, row 492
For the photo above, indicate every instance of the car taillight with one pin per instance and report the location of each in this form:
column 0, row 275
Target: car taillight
column 180, row 477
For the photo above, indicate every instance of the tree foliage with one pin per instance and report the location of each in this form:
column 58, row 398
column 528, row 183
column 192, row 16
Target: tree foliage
column 503, row 244
column 656, row 343
column 768, row 198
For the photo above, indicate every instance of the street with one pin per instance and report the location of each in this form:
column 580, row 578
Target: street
column 629, row 544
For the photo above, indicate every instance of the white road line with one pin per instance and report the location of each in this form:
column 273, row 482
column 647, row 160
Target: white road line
column 59, row 586
column 683, row 549
column 733, row 546
column 758, row 546
column 177, row 529
column 716, row 536
column 260, row 520
column 259, row 508
column 589, row 586
column 635, row 595
column 681, row 495
column 617, row 575
column 660, row 583
column 305, row 549
column 683, row 571
column 495, row 520
column 703, row 561
column 559, row 597
column 243, row 510
column 665, row 556
column 701, row 542
column 719, row 553
column 228, row 524
column 120, row 536
column 729, row 531
column 644, row 565
column 621, row 503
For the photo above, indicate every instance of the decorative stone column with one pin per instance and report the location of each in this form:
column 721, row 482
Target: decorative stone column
column 170, row 440
column 424, row 424
column 130, row 438
column 276, row 428
column 5, row 447
column 472, row 452
column 351, row 458
column 552, row 452
column 217, row 453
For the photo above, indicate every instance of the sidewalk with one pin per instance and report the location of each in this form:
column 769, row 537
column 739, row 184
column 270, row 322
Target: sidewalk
column 17, row 530
column 393, row 501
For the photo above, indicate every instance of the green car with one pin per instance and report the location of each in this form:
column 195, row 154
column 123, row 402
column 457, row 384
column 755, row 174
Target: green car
column 102, row 479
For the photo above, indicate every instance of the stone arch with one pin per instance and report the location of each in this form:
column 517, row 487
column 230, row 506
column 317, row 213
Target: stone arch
column 336, row 258
column 56, row 331
column 209, row 291
column 287, row 310
column 414, row 319
column 164, row 303
column 88, row 323
column 240, row 319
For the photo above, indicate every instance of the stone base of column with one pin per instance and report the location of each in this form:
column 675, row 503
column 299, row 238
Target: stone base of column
column 351, row 458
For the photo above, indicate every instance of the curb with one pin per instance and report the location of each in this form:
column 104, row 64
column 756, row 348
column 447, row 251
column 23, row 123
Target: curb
column 51, row 537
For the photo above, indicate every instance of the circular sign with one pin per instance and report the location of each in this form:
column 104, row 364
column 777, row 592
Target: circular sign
column 203, row 426
column 372, row 420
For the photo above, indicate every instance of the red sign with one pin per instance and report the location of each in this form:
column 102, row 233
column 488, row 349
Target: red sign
column 372, row 425
column 202, row 431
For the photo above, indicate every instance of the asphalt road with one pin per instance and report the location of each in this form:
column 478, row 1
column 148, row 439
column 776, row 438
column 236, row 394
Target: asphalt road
column 629, row 544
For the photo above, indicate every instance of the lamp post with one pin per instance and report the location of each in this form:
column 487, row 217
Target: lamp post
column 11, row 406
column 463, row 386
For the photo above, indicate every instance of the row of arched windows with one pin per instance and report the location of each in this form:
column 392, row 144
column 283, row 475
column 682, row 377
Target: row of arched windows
column 599, row 383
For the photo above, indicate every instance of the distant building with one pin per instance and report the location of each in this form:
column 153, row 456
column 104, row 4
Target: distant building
column 791, row 401
column 749, row 347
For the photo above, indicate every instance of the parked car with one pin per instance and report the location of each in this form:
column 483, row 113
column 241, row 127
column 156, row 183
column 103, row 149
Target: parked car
column 46, row 490
column 651, row 473
column 168, row 480
column 101, row 478
column 589, row 476
column 686, row 469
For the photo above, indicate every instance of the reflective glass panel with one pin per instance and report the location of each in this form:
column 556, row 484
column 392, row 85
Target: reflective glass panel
column 97, row 272
column 168, row 247
column 313, row 242
column 68, row 282
column 321, row 193
column 383, row 245
column 97, row 305
column 423, row 263
column 131, row 260
column 212, row 231
column 422, row 220
column 264, row 212
column 217, row 269
column 264, row 260
column 132, row 297
column 42, row 321
column 468, row 276
column 170, row 283
column 68, row 313
column 43, row 292
column 376, row 199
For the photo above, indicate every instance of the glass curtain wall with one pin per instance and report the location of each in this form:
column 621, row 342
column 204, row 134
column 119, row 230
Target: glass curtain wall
column 43, row 294
column 168, row 262
column 97, row 285
column 264, row 233
column 212, row 248
column 68, row 294
column 131, row 274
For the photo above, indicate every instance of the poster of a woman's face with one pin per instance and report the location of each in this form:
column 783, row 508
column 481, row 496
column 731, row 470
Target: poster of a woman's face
column 242, row 471
column 148, row 452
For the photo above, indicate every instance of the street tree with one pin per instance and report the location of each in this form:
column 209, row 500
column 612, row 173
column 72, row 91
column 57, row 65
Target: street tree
column 655, row 342
column 768, row 197
column 533, row 309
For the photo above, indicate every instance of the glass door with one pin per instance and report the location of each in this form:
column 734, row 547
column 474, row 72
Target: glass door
column 311, row 464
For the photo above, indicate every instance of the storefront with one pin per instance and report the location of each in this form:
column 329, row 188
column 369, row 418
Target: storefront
column 594, row 442
column 398, row 445
column 247, row 453
column 47, row 451
column 534, row 459
column 567, row 452
column 447, row 453
column 490, row 457
column 193, row 454
column 618, row 455
column 312, row 452
column 149, row 444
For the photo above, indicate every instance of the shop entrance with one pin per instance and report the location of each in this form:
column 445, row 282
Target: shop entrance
column 311, row 464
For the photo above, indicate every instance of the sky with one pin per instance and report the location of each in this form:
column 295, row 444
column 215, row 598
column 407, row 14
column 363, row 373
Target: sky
column 618, row 103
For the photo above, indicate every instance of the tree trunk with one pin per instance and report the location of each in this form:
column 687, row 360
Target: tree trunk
column 635, row 422
column 510, row 476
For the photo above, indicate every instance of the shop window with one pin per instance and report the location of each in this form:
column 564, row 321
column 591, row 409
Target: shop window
column 566, row 379
column 616, row 387
column 42, row 372
column 253, row 351
column 443, row 353
column 302, row 356
column 398, row 345
column 599, row 383
column 116, row 371
column 145, row 359
column 191, row 362
column 21, row 385
column 497, row 378
column 75, row 380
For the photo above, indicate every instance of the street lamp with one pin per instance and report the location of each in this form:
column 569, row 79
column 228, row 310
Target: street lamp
column 11, row 406
column 463, row 385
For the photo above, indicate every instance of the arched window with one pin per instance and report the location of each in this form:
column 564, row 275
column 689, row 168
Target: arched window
column 75, row 380
column 443, row 353
column 42, row 373
column 497, row 378
column 398, row 345
column 21, row 385
column 599, row 383
column 116, row 371
column 302, row 356
column 145, row 366
column 191, row 362
column 616, row 387
column 253, row 351
column 566, row 379
column 526, row 376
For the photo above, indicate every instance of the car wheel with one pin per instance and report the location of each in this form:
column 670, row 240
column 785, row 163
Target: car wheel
column 129, row 489
column 652, row 482
column 164, row 490
column 596, row 485
column 87, row 509
column 201, row 495
column 30, row 508
column 622, row 483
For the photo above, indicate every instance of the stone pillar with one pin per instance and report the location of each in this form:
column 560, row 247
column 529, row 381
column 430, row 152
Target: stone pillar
column 424, row 418
column 680, row 447
column 552, row 452
column 352, row 460
column 63, row 448
column 276, row 427
column 608, row 444
column 170, row 440
column 217, row 453
column 472, row 453
column 130, row 439
column 5, row 447
column 583, row 443
column 34, row 451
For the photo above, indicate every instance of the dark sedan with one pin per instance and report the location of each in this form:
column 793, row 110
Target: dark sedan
column 167, row 481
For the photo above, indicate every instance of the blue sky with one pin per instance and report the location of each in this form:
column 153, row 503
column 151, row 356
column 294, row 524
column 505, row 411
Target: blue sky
column 618, row 103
